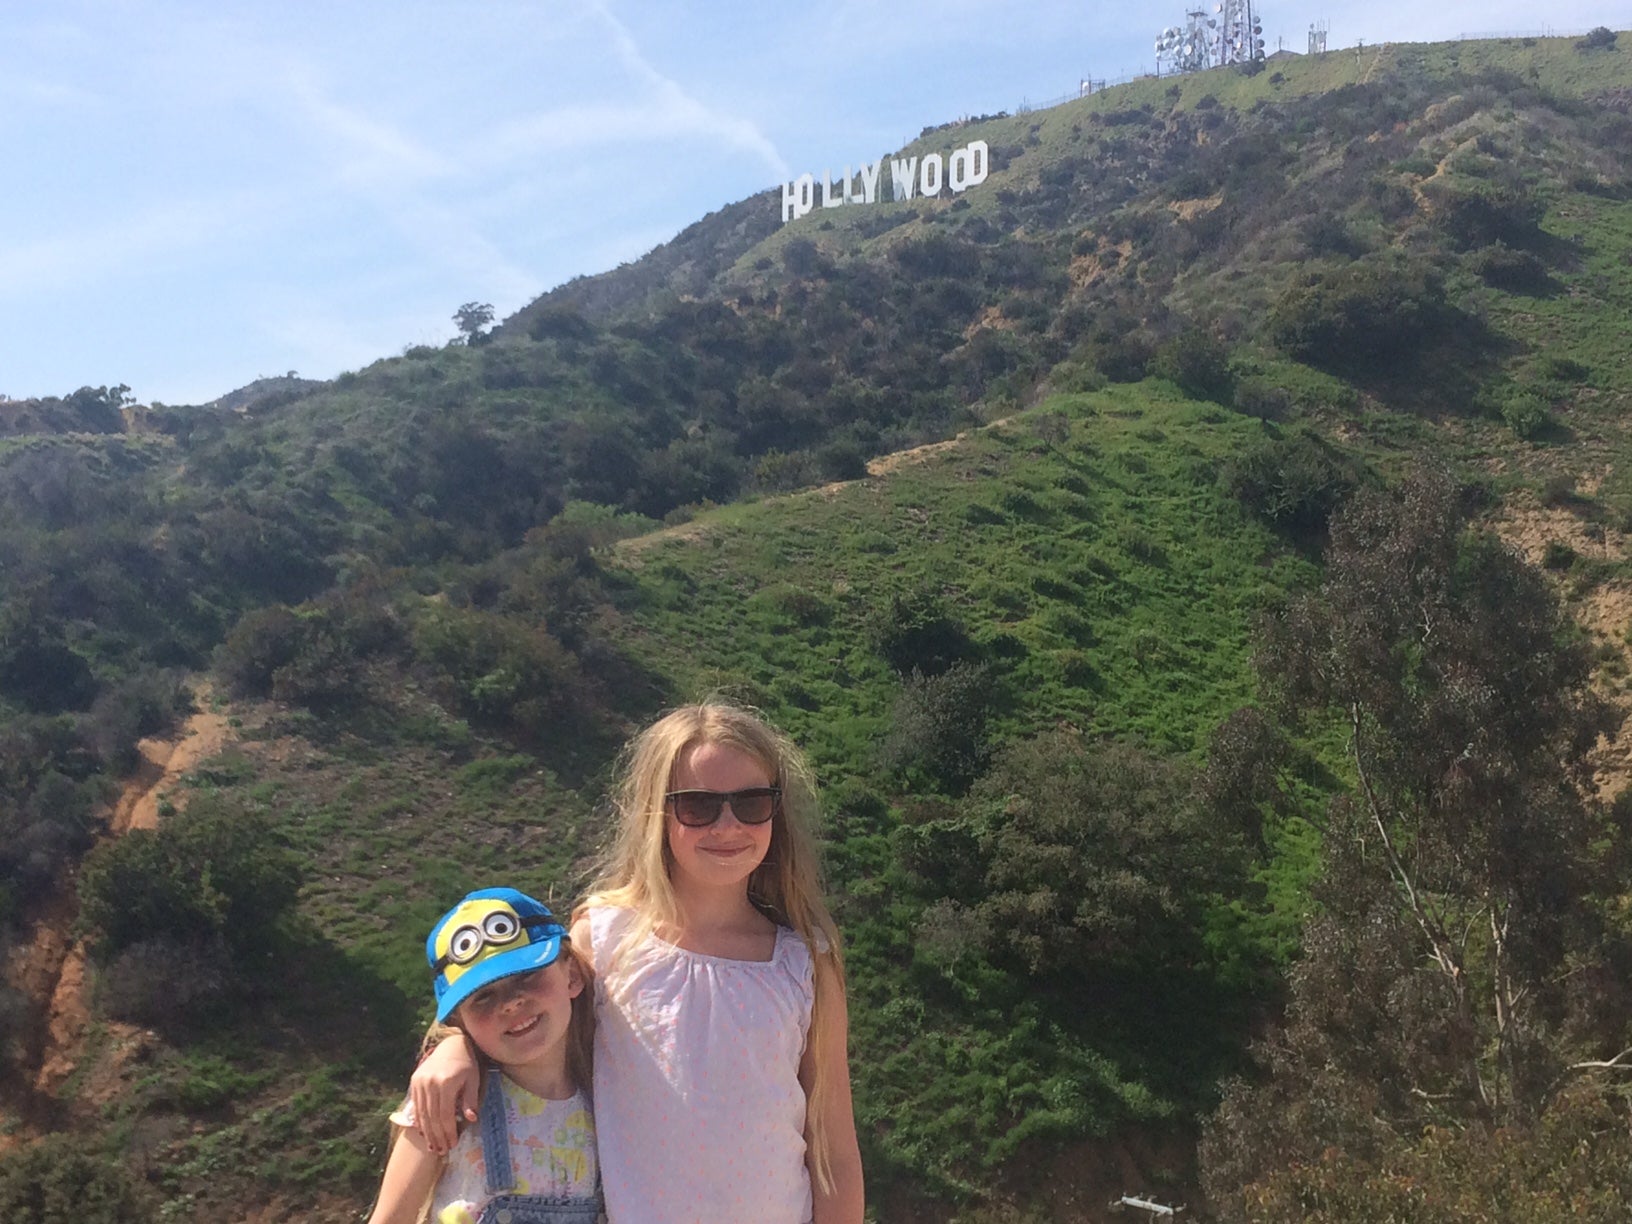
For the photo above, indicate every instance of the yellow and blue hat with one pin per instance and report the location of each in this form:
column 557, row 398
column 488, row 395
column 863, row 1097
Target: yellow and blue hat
column 493, row 933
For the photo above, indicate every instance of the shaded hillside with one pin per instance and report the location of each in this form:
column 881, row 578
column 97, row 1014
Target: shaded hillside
column 983, row 498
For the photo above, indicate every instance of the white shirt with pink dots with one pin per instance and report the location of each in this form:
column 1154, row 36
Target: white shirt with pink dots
column 699, row 1112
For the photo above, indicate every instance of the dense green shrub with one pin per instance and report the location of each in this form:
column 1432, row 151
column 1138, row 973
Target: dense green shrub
column 212, row 873
column 500, row 668
column 1262, row 398
column 312, row 655
column 1294, row 482
column 1525, row 408
column 39, row 669
column 261, row 643
column 938, row 726
column 42, row 827
column 166, row 982
column 914, row 631
column 58, row 1181
column 1095, row 854
column 1361, row 317
column 1198, row 363
column 15, row 1010
column 1483, row 214
column 148, row 702
column 1505, row 267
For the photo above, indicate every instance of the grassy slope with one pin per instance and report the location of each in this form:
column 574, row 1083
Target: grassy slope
column 1117, row 587
column 1107, row 575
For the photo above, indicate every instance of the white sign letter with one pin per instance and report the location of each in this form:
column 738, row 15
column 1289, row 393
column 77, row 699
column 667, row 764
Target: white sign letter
column 967, row 166
column 804, row 195
column 930, row 184
column 903, row 174
column 869, row 181
column 827, row 191
column 980, row 163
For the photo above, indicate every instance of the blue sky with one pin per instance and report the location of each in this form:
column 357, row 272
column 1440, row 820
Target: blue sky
column 195, row 194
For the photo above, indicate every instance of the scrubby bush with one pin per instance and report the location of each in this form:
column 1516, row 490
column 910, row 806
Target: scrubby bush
column 499, row 668
column 166, row 982
column 14, row 1017
column 312, row 655
column 1504, row 267
column 50, row 825
column 212, row 873
column 146, row 703
column 59, row 1181
column 1524, row 409
column 1480, row 215
column 1094, row 854
column 1198, row 363
column 1361, row 316
column 1293, row 483
column 914, row 631
column 938, row 726
column 1262, row 398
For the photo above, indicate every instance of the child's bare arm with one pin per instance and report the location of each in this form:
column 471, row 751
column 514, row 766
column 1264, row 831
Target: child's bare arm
column 444, row 1091
column 843, row 1202
column 410, row 1176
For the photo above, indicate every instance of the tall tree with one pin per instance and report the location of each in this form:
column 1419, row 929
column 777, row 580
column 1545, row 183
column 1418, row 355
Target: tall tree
column 472, row 319
column 1455, row 911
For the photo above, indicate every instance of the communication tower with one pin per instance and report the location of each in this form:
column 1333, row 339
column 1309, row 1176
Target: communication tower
column 1317, row 38
column 1230, row 34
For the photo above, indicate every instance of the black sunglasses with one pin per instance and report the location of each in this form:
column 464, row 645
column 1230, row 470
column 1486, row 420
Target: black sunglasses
column 697, row 809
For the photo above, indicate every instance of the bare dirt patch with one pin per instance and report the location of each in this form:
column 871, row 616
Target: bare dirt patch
column 1189, row 210
column 51, row 964
column 163, row 763
column 634, row 546
column 1531, row 528
column 885, row 464
column 1603, row 610
column 991, row 319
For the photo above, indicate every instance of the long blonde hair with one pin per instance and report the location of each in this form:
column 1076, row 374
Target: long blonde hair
column 786, row 886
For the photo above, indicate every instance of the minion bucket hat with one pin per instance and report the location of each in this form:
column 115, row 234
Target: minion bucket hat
column 493, row 933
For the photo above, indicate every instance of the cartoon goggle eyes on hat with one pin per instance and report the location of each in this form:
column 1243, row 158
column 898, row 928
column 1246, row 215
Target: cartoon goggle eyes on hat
column 496, row 929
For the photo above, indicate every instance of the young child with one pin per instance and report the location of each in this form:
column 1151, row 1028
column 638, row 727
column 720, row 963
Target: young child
column 506, row 976
column 722, row 1081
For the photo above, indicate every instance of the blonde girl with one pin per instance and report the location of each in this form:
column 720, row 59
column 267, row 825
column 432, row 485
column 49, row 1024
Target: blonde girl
column 507, row 977
column 722, row 1081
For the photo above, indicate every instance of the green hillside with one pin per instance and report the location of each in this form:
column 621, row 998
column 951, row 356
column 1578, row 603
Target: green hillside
column 1009, row 507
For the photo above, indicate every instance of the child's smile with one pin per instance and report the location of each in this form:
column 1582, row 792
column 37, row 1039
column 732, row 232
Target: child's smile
column 725, row 853
column 524, row 1017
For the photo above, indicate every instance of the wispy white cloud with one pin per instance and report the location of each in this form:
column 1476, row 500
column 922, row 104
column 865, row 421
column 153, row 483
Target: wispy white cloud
column 675, row 109
column 369, row 152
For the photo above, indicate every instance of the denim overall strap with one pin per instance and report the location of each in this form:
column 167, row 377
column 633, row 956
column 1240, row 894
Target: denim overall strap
column 503, row 1206
column 496, row 1136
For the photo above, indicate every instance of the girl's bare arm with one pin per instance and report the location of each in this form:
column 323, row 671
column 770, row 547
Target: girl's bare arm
column 845, row 1201
column 444, row 1091
column 410, row 1176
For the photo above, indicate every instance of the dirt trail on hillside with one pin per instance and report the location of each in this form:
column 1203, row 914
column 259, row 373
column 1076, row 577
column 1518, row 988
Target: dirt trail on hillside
column 881, row 465
column 163, row 762
column 50, row 967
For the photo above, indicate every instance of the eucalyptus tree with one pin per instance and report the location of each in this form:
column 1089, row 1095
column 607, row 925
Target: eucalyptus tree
column 1447, row 968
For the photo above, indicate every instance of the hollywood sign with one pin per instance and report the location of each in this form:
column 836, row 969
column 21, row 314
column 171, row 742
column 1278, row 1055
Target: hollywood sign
column 959, row 170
